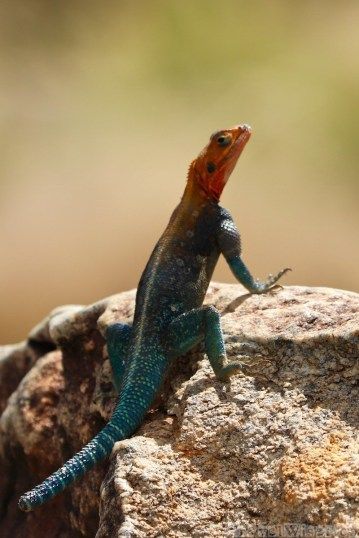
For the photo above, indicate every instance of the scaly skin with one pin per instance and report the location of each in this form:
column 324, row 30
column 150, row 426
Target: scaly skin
column 169, row 317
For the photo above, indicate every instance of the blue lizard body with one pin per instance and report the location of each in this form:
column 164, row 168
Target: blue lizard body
column 169, row 317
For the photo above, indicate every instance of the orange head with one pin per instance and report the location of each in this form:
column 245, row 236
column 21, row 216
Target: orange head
column 213, row 166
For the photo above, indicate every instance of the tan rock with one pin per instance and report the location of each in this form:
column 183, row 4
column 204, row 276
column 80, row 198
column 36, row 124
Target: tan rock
column 273, row 452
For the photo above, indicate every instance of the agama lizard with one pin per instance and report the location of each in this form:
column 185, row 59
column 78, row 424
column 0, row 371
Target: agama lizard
column 170, row 318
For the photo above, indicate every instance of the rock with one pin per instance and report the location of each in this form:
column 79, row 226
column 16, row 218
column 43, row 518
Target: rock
column 275, row 451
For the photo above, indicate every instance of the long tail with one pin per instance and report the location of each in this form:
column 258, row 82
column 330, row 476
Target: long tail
column 96, row 450
column 141, row 384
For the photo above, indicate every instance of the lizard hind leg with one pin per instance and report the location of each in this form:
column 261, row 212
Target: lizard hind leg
column 199, row 324
column 118, row 338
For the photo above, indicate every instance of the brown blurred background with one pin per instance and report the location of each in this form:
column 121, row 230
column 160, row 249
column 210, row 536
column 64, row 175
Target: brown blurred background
column 104, row 104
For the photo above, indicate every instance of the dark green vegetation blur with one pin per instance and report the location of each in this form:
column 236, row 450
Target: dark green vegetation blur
column 104, row 104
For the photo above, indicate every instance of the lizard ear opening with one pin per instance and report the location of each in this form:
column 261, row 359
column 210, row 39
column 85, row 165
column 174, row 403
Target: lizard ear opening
column 211, row 167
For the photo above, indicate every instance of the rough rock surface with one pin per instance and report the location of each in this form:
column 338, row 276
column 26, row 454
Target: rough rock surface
column 275, row 452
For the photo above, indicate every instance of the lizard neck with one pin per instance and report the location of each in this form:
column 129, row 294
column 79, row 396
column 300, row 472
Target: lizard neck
column 194, row 196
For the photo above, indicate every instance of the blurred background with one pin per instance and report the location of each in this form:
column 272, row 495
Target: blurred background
column 104, row 104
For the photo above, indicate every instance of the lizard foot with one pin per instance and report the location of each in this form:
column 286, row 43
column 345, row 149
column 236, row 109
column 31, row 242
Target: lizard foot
column 246, row 367
column 271, row 282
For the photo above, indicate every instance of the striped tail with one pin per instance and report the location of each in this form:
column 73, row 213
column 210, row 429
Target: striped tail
column 95, row 451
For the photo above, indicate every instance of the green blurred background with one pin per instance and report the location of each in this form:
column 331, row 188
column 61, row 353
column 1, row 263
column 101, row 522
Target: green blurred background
column 104, row 104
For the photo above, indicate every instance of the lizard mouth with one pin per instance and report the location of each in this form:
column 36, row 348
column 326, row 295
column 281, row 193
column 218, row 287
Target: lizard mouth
column 242, row 136
column 224, row 170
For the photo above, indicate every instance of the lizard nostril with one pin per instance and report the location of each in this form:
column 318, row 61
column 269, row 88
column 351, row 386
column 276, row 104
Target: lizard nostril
column 245, row 127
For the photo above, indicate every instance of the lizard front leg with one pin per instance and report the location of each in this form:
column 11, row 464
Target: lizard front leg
column 117, row 338
column 229, row 243
column 253, row 285
column 203, row 324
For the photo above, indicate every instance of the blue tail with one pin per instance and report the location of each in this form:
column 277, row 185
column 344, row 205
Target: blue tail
column 96, row 450
column 141, row 383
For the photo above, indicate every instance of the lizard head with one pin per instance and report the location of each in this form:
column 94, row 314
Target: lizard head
column 213, row 166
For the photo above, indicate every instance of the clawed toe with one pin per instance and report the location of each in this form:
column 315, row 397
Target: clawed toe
column 244, row 367
column 276, row 287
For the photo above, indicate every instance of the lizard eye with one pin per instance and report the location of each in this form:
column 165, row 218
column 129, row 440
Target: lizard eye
column 223, row 140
